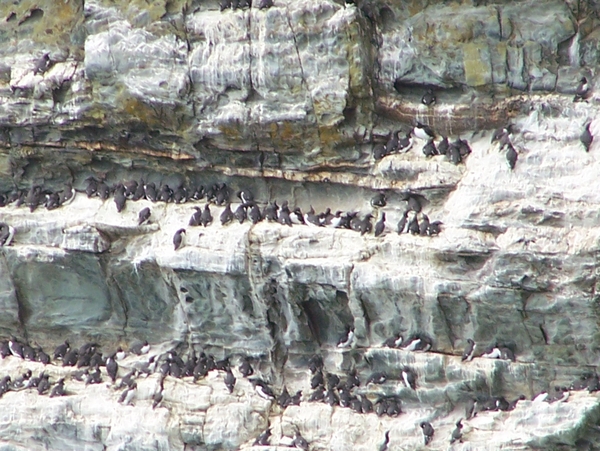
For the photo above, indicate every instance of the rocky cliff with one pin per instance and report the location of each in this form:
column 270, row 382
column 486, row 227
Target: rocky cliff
column 288, row 101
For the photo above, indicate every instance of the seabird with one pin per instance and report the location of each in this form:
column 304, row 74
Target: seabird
column 454, row 154
column 333, row 381
column 240, row 213
column 205, row 217
column 225, row 4
column 428, row 98
column 410, row 378
column 33, row 197
column 347, row 340
column 331, row 398
column 229, row 381
column 42, row 357
column 413, row 226
column 180, row 195
column 423, row 131
column 103, row 191
column 393, row 342
column 492, row 352
column 262, row 4
column 284, row 215
column 402, row 222
column 44, row 384
column 61, row 350
column 424, row 224
column 377, row 378
column 178, row 238
column 315, row 363
column 7, row 234
column 254, row 215
column 139, row 193
column 469, row 351
column 157, row 397
column 386, row 440
column 127, row 380
column 586, row 137
column 140, row 348
column 70, row 358
column 143, row 215
column 311, row 218
column 120, row 197
column 128, row 394
column 67, row 195
column 284, row 398
column 443, row 146
column 379, row 152
column 583, row 90
column 434, row 228
column 457, row 433
column 392, row 144
column 378, row 200
column 299, row 442
column 317, row 380
column 352, row 380
column 380, row 226
column 263, row 439
column 42, row 64
column 406, row 143
column 165, row 194
column 245, row 196
column 262, row 389
column 245, row 368
column 52, row 201
column 513, row 404
column 297, row 217
column 15, row 347
column 150, row 192
column 195, row 218
column 270, row 213
column 365, row 225
column 59, row 388
column 112, row 367
column 28, row 353
column 226, row 215
column 429, row 149
column 511, row 156
column 318, row 394
column 428, row 431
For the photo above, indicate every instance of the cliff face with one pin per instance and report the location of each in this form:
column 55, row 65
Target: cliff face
column 288, row 102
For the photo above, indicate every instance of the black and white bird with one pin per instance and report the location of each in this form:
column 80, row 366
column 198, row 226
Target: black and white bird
column 586, row 137
column 511, row 156
column 377, row 378
column 206, row 217
column 195, row 218
column 443, row 146
column 428, row 98
column 140, row 348
column 299, row 442
column 429, row 149
column 409, row 378
column 16, row 348
column 178, row 238
column 406, row 143
column 379, row 152
column 128, row 394
column 240, row 213
column 42, row 64
column 402, row 223
column 246, row 368
column 423, row 131
column 119, row 197
column 386, row 441
column 457, row 433
column 112, row 368
column 262, row 389
column 7, row 234
column 428, row 431
column 469, row 351
column 380, row 225
column 229, row 381
column 144, row 215
column 492, row 352
column 583, row 90
column 263, row 439
column 347, row 340
column 226, row 215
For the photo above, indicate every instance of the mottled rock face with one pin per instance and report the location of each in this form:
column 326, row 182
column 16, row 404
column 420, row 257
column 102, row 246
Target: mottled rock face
column 288, row 102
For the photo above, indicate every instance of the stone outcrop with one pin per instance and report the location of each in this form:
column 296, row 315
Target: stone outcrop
column 288, row 102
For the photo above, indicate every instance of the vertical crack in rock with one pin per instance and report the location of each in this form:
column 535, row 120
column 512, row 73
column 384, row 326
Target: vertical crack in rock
column 304, row 81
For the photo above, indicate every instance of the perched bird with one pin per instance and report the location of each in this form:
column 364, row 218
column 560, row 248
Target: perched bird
column 434, row 228
column 365, row 225
column 44, row 384
column 254, row 214
column 317, row 395
column 178, row 238
column 262, row 389
column 377, row 378
column 402, row 222
column 245, row 368
column 379, row 200
column 410, row 378
column 112, row 367
column 128, row 394
column 317, row 380
column 195, row 218
column 499, row 134
column 119, row 197
column 583, row 90
column 428, row 432
column 263, row 439
column 443, row 146
column 7, row 234
column 205, row 217
column 226, row 215
column 140, row 348
column 423, row 131
column 469, row 351
column 299, row 442
column 406, row 143
column 245, row 196
column 379, row 152
column 429, row 149
column 315, row 363
column 392, row 144
column 511, row 156
column 586, row 137
column 271, row 212
column 380, row 226
column 59, row 388
column 157, row 397
column 428, row 98
column 413, row 226
column 457, row 433
column 393, row 342
column 347, row 340
column 15, row 347
column 229, row 381
column 42, row 64
column 424, row 224
column 386, row 440
column 143, row 215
